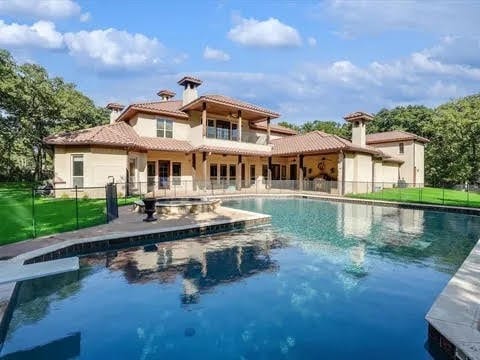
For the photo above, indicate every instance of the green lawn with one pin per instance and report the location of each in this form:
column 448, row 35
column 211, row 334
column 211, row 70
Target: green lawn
column 425, row 195
column 21, row 218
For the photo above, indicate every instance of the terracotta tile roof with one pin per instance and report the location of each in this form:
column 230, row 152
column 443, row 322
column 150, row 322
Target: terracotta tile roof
column 166, row 93
column 189, row 79
column 274, row 128
column 358, row 115
column 231, row 150
column 396, row 135
column 168, row 108
column 163, row 144
column 115, row 106
column 315, row 142
column 117, row 134
column 225, row 100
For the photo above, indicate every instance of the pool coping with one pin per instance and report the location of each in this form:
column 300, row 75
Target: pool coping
column 454, row 318
column 115, row 241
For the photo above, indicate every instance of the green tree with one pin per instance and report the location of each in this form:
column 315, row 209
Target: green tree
column 33, row 106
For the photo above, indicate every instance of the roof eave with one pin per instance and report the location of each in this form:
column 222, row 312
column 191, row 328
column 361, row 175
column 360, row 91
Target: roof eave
column 135, row 109
column 264, row 114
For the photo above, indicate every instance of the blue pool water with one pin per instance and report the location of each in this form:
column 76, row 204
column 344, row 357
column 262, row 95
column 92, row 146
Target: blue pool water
column 325, row 281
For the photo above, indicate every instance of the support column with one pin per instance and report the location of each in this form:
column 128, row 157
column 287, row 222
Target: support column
column 268, row 131
column 300, row 172
column 340, row 176
column 204, row 119
column 269, row 173
column 194, row 172
column 239, row 173
column 239, row 125
column 204, row 167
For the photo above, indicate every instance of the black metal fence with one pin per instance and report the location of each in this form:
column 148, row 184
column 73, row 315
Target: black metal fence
column 28, row 211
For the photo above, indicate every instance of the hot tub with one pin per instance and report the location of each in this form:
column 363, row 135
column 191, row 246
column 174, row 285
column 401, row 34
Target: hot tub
column 186, row 205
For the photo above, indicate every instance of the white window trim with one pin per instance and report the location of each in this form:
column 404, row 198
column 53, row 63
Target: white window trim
column 165, row 120
column 83, row 169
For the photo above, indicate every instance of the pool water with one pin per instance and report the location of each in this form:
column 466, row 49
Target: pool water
column 324, row 281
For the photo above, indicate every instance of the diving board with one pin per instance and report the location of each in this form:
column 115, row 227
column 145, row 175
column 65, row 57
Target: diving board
column 11, row 271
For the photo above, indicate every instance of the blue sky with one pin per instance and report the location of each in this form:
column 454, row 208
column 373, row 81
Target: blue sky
column 306, row 59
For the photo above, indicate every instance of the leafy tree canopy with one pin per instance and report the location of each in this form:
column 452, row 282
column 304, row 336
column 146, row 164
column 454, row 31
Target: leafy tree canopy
column 34, row 105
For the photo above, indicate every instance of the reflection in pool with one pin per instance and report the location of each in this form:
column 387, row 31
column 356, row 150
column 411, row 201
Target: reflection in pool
column 326, row 280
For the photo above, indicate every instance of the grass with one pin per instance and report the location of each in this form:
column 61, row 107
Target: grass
column 22, row 218
column 425, row 195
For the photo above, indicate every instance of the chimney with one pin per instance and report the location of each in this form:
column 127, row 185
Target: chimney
column 115, row 110
column 359, row 120
column 166, row 95
column 190, row 85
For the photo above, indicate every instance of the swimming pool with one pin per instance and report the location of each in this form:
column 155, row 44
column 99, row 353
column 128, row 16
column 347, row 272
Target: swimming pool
column 325, row 280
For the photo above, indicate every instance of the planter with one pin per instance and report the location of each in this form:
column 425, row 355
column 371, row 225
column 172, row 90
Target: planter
column 150, row 209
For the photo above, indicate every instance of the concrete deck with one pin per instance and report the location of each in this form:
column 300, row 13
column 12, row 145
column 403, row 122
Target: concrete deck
column 12, row 271
column 456, row 311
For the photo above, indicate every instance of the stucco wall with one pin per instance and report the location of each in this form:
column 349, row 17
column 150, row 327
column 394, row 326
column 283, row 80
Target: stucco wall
column 420, row 163
column 389, row 174
column 146, row 125
column 98, row 163
column 358, row 171
column 413, row 158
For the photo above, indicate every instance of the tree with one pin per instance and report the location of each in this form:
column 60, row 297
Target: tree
column 33, row 106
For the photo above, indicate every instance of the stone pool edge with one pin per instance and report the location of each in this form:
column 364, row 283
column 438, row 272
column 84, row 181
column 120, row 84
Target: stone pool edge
column 454, row 318
column 115, row 241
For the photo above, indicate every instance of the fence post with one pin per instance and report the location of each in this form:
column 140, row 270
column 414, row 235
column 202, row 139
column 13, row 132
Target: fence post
column 34, row 232
column 468, row 194
column 76, row 204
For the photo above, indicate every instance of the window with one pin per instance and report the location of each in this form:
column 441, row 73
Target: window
column 401, row 148
column 223, row 172
column 221, row 129
column 233, row 173
column 177, row 173
column 77, row 170
column 265, row 173
column 211, row 129
column 234, row 136
column 164, row 128
column 213, row 172
column 252, row 173
column 284, row 172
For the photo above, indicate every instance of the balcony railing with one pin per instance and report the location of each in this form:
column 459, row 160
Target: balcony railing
column 246, row 138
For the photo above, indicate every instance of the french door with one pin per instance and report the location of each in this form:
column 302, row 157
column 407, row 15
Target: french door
column 163, row 174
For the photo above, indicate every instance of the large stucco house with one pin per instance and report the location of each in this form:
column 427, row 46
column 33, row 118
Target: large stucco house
column 202, row 142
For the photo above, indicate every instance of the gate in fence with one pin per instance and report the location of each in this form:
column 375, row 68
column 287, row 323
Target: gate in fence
column 111, row 201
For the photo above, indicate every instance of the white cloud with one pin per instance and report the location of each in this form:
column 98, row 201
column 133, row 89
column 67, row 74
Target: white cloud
column 267, row 33
column 45, row 9
column 215, row 54
column 114, row 49
column 438, row 17
column 41, row 34
column 85, row 17
column 312, row 41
